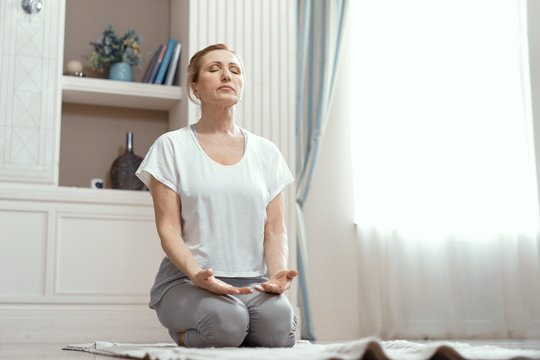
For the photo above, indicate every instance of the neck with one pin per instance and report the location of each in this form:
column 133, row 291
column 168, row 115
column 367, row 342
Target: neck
column 216, row 119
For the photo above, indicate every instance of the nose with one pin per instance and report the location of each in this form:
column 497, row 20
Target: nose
column 226, row 75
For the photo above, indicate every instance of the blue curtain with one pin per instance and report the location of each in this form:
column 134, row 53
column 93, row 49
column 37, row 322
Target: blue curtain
column 320, row 24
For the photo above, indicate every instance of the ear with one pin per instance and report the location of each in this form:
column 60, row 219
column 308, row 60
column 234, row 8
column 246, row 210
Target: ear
column 194, row 90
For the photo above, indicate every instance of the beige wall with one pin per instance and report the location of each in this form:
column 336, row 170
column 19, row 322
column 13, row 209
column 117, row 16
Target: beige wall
column 93, row 137
column 86, row 20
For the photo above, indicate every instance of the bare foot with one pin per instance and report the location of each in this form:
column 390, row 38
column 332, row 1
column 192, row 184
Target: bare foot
column 181, row 339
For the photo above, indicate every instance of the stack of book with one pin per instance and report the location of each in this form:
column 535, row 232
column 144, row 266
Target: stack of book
column 165, row 63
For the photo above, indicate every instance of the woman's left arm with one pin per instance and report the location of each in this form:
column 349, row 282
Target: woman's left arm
column 276, row 249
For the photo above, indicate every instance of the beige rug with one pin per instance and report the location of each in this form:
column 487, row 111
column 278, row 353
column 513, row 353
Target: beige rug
column 366, row 349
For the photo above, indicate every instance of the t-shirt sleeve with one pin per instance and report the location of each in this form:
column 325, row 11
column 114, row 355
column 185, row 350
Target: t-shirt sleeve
column 280, row 175
column 160, row 162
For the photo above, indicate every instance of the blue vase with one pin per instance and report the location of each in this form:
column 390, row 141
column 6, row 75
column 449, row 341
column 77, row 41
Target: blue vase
column 120, row 71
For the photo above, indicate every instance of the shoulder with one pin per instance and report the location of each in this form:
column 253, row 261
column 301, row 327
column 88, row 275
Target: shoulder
column 261, row 144
column 176, row 135
column 174, row 138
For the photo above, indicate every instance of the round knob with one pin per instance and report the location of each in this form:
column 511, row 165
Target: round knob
column 32, row 6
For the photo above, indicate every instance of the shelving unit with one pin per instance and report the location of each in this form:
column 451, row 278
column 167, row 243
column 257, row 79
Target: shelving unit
column 98, row 112
column 104, row 92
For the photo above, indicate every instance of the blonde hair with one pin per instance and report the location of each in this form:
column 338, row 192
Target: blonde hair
column 195, row 64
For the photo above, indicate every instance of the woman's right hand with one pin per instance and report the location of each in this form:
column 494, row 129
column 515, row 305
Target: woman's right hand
column 205, row 280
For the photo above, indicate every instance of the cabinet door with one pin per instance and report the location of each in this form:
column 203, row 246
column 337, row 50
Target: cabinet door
column 30, row 97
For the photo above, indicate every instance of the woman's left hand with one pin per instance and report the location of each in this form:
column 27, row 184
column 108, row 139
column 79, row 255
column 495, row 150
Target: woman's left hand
column 277, row 283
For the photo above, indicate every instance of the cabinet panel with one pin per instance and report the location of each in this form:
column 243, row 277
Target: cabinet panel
column 29, row 92
column 105, row 255
column 22, row 255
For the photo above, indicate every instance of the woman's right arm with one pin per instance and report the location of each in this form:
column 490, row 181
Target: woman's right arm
column 168, row 212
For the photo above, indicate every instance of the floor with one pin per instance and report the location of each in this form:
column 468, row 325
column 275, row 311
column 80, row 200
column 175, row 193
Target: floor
column 33, row 351
column 44, row 352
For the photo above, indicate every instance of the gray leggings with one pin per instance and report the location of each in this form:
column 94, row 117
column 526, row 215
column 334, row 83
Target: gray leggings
column 210, row 320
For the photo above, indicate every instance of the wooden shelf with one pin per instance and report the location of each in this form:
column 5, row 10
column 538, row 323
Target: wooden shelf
column 92, row 91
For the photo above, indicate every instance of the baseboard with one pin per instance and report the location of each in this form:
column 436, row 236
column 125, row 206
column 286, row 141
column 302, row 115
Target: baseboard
column 80, row 324
column 75, row 324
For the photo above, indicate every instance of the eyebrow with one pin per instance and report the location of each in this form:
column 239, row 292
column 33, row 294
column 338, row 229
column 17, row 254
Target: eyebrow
column 220, row 63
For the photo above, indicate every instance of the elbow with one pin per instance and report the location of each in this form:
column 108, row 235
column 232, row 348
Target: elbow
column 168, row 237
column 278, row 236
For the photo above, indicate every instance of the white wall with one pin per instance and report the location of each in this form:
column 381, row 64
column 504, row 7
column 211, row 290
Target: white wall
column 332, row 247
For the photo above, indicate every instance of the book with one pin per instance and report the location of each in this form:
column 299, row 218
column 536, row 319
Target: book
column 173, row 66
column 155, row 64
column 165, row 62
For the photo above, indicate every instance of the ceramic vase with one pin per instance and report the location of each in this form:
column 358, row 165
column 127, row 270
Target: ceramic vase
column 124, row 167
column 120, row 71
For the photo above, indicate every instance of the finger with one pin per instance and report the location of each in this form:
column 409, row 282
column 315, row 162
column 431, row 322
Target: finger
column 271, row 288
column 244, row 290
column 292, row 273
column 222, row 290
column 227, row 292
column 204, row 274
column 258, row 288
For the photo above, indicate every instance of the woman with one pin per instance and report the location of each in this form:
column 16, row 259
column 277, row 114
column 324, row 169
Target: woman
column 218, row 202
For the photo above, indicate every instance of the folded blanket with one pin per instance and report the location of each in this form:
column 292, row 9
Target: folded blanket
column 367, row 349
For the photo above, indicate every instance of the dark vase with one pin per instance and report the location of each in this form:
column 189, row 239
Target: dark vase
column 124, row 167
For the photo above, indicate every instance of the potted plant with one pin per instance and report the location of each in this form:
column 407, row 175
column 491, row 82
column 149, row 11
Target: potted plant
column 121, row 53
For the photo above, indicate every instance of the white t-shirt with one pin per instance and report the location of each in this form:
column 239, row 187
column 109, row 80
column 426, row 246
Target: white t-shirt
column 223, row 207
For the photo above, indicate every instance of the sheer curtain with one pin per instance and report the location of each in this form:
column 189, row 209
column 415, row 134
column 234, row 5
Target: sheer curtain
column 320, row 25
column 445, row 187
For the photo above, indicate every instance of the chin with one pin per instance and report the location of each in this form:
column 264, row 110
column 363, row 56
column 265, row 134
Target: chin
column 228, row 102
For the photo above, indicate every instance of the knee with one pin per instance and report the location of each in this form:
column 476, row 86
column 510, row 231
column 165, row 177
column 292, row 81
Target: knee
column 276, row 329
column 282, row 333
column 225, row 327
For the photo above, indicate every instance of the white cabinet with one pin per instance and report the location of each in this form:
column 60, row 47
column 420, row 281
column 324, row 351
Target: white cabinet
column 74, row 259
column 76, row 245
column 30, row 65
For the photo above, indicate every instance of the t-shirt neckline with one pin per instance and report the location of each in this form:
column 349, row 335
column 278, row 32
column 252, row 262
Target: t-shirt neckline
column 196, row 139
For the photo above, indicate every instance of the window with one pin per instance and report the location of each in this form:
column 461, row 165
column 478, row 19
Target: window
column 441, row 121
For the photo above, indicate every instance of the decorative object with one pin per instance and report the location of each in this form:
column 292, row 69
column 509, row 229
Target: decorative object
column 111, row 49
column 120, row 71
column 124, row 167
column 96, row 183
column 74, row 68
column 32, row 6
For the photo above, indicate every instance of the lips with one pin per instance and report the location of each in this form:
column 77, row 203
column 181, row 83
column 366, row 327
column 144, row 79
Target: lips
column 225, row 87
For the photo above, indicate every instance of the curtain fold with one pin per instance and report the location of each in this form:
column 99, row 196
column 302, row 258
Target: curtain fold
column 320, row 24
